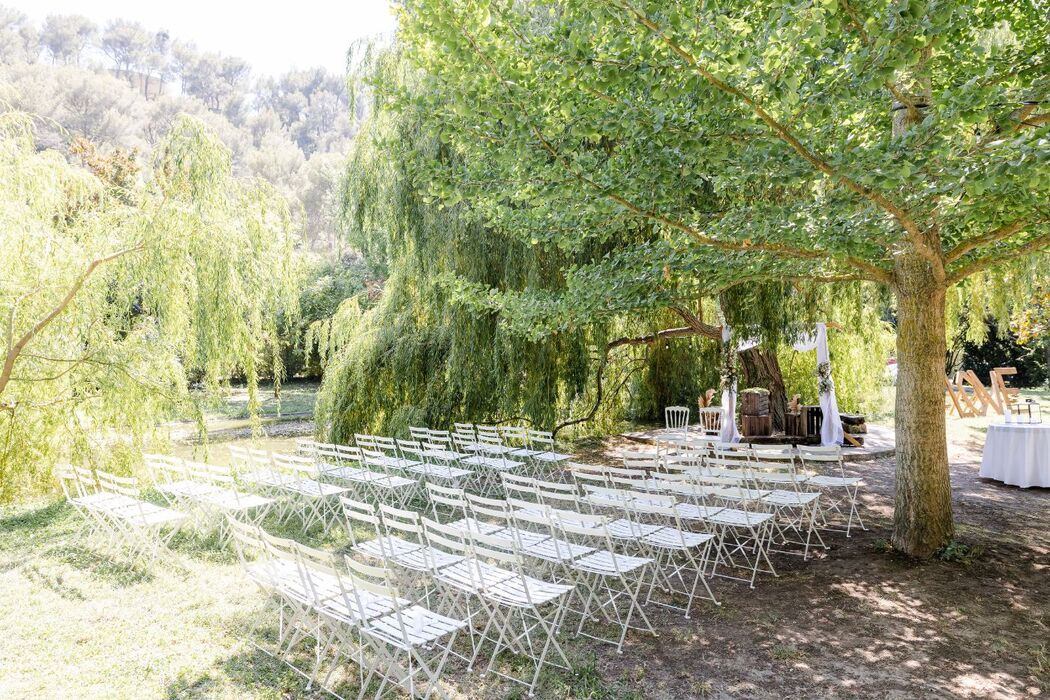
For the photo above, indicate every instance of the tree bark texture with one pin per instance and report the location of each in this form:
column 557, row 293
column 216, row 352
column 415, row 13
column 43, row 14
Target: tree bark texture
column 922, row 521
column 760, row 368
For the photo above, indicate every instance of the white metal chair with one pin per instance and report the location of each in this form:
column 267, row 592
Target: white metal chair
column 839, row 488
column 677, row 418
column 608, row 584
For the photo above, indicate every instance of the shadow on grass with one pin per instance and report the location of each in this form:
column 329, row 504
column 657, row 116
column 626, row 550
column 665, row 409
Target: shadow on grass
column 35, row 519
column 203, row 546
column 53, row 582
column 119, row 574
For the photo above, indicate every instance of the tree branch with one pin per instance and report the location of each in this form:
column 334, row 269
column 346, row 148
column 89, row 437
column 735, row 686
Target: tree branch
column 911, row 228
column 13, row 351
column 1035, row 245
column 875, row 273
column 998, row 234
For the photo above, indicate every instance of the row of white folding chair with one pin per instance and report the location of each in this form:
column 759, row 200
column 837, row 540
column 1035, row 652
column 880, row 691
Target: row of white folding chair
column 604, row 577
column 206, row 491
column 505, row 608
column 771, row 477
column 115, row 510
column 292, row 481
column 819, row 468
column 728, row 511
column 652, row 528
column 534, row 451
column 347, row 466
column 351, row 612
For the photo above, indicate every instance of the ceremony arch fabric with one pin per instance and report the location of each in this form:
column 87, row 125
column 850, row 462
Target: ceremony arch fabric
column 830, row 429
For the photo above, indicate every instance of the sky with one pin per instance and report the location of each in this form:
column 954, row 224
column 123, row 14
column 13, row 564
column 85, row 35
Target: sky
column 300, row 34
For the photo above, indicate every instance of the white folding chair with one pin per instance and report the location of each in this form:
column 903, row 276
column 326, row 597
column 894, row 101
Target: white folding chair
column 607, row 583
column 144, row 529
column 839, row 488
column 796, row 509
column 314, row 500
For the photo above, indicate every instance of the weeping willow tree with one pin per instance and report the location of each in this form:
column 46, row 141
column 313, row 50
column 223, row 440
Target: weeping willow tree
column 476, row 323
column 419, row 353
column 121, row 288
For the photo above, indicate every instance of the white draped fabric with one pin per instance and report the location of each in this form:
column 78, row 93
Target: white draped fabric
column 729, row 432
column 831, row 428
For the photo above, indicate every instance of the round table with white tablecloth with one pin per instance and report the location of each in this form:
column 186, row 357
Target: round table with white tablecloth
column 1017, row 454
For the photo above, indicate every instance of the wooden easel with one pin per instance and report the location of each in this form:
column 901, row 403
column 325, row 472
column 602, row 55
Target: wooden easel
column 979, row 401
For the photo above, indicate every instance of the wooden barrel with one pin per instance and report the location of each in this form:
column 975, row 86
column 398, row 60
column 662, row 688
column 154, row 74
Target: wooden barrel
column 754, row 404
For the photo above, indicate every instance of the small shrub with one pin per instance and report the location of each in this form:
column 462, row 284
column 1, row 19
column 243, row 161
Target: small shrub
column 959, row 553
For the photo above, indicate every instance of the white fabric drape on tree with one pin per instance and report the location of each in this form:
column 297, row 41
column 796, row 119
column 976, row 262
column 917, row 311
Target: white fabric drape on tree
column 831, row 427
column 729, row 432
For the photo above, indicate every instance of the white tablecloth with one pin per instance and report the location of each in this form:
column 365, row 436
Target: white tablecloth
column 1017, row 454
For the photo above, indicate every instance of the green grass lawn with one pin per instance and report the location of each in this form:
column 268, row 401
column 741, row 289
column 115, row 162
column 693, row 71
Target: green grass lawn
column 78, row 623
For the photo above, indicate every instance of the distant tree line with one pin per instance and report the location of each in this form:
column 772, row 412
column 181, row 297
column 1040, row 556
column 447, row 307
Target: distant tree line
column 121, row 85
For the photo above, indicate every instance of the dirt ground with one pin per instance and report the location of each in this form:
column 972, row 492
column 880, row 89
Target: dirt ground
column 862, row 621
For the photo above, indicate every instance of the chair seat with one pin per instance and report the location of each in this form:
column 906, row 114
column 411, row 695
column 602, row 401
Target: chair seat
column 833, row 481
column 416, row 627
column 494, row 449
column 448, row 455
column 673, row 538
column 525, row 592
column 525, row 538
column 739, row 493
column 498, row 463
column 472, row 576
column 348, row 474
column 104, row 501
column 692, row 511
column 525, row 452
column 228, row 499
column 556, row 550
column 266, row 478
column 312, row 487
column 187, row 488
column 382, row 547
column 551, row 456
column 780, row 478
column 439, row 471
column 427, row 559
column 393, row 482
column 359, row 606
column 609, row 563
column 475, row 525
column 790, row 498
column 624, row 529
column 739, row 518
column 143, row 514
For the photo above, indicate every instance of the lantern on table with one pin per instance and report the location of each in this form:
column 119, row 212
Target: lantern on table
column 1023, row 412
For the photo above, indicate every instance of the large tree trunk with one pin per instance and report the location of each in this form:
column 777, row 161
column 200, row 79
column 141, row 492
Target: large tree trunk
column 922, row 520
column 760, row 368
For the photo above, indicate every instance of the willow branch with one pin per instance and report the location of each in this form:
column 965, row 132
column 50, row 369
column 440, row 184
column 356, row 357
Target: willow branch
column 1035, row 245
column 875, row 273
column 904, row 219
column 13, row 351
